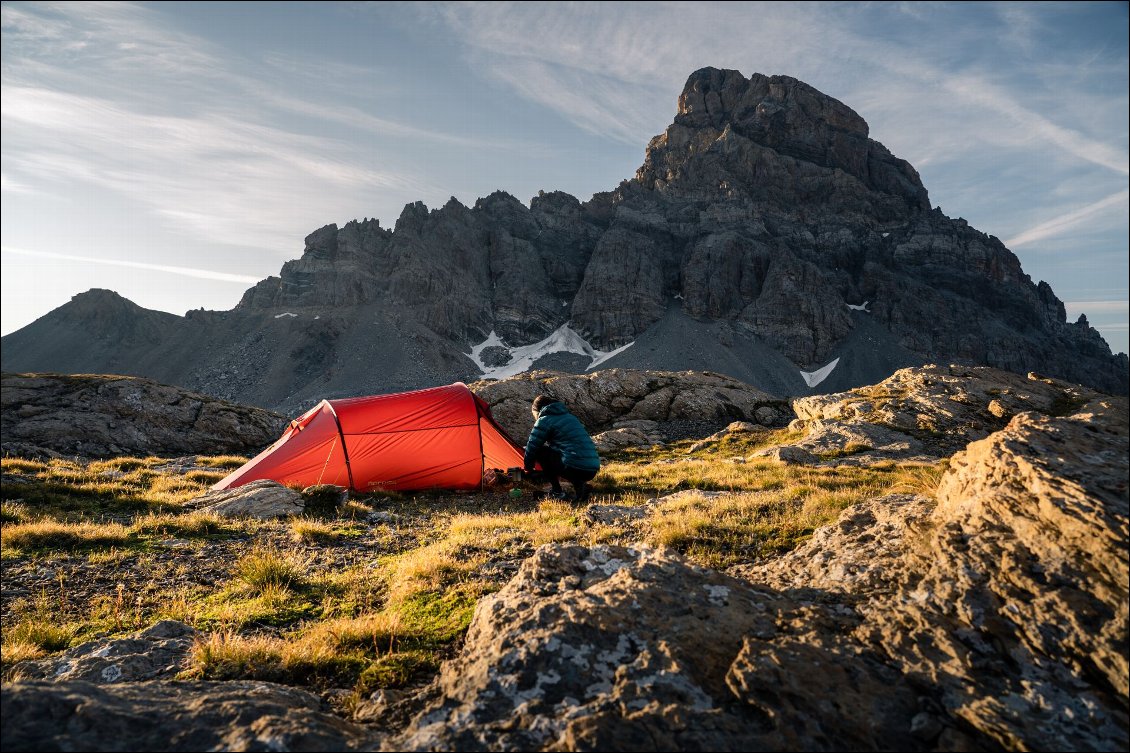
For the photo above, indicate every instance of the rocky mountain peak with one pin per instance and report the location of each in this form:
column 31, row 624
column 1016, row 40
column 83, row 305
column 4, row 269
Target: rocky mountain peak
column 101, row 300
column 322, row 239
column 724, row 122
column 766, row 235
column 106, row 311
column 721, row 97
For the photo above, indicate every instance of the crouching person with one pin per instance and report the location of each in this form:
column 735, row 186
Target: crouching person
column 560, row 443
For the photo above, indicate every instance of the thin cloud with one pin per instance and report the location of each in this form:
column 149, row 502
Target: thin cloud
column 1065, row 222
column 598, row 105
column 203, row 274
column 561, row 57
column 8, row 185
column 1118, row 307
column 204, row 139
column 225, row 180
column 381, row 127
column 982, row 93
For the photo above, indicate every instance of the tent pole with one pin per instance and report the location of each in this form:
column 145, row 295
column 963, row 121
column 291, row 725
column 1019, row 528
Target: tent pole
column 482, row 455
column 345, row 449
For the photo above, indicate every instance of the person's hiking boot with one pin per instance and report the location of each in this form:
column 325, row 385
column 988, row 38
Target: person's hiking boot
column 559, row 494
column 582, row 494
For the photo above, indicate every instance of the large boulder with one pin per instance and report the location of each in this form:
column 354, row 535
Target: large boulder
column 257, row 499
column 613, row 648
column 655, row 403
column 928, row 412
column 1010, row 598
column 105, row 416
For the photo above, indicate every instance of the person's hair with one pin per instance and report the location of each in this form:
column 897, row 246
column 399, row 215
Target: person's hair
column 543, row 400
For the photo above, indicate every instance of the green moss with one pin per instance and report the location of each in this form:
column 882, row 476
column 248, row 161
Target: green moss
column 432, row 620
column 396, row 670
column 236, row 608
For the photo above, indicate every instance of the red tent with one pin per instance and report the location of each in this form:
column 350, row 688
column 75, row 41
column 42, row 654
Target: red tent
column 439, row 438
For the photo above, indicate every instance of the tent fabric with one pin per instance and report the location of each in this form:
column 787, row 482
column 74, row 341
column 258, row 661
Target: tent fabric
column 438, row 438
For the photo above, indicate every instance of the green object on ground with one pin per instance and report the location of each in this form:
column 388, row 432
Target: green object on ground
column 515, row 492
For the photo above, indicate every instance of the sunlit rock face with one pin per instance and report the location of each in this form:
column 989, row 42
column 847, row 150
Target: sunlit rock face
column 766, row 235
column 992, row 616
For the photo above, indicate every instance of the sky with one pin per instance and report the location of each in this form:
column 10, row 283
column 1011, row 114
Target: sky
column 179, row 152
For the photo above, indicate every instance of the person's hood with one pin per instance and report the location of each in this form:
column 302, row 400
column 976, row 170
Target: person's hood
column 553, row 409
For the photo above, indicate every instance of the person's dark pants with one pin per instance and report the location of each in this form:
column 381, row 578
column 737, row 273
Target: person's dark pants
column 553, row 470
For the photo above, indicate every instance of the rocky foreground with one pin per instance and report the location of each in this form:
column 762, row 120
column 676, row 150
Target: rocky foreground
column 996, row 617
column 989, row 613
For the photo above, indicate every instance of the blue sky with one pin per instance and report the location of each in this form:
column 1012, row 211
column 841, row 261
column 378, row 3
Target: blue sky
column 179, row 152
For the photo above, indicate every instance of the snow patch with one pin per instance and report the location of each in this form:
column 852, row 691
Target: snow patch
column 861, row 307
column 280, row 316
column 522, row 358
column 813, row 378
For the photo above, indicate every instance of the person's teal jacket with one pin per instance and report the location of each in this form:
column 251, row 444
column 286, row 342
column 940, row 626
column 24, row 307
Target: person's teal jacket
column 561, row 430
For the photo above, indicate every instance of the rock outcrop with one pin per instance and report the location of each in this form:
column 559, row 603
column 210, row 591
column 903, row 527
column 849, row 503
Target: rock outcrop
column 172, row 716
column 992, row 618
column 102, row 416
column 158, row 652
column 262, row 499
column 614, row 648
column 765, row 233
column 928, row 412
column 632, row 408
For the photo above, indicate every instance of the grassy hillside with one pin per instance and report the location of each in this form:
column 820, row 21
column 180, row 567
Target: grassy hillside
column 373, row 594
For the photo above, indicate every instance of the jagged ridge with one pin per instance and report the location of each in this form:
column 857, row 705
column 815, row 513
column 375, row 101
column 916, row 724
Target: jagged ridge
column 758, row 217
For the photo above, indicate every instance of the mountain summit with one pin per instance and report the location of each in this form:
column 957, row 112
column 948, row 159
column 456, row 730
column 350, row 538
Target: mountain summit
column 766, row 235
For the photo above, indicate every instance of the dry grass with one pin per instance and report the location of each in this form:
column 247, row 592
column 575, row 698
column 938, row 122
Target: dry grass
column 126, row 485
column 50, row 535
column 190, row 525
column 920, row 479
column 35, row 635
column 431, row 568
column 383, row 649
column 552, row 521
column 313, row 531
column 382, row 620
column 780, row 507
column 266, row 570
column 22, row 466
column 53, row 535
column 226, row 462
column 14, row 512
column 124, row 464
column 208, row 478
column 228, row 655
